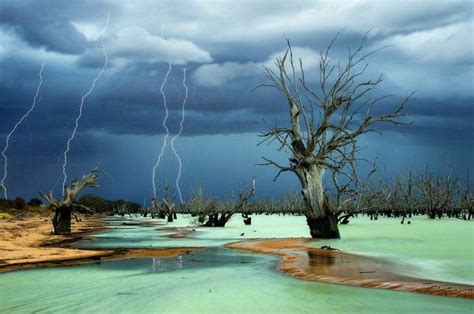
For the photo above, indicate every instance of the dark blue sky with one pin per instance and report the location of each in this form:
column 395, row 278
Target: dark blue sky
column 223, row 46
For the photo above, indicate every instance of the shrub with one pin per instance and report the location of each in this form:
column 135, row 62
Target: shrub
column 20, row 203
column 6, row 216
column 6, row 204
column 35, row 202
column 97, row 203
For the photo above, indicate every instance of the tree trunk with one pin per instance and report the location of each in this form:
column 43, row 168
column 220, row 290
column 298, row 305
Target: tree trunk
column 321, row 222
column 344, row 219
column 431, row 213
column 247, row 219
column 214, row 220
column 324, row 227
column 62, row 221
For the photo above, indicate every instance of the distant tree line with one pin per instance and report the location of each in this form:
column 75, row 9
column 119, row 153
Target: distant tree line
column 104, row 206
column 19, row 203
column 99, row 205
column 432, row 194
column 435, row 195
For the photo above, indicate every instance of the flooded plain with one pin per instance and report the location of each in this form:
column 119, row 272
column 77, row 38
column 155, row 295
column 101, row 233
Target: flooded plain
column 220, row 280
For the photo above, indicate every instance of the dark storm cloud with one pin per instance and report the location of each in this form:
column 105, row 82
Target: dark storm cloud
column 224, row 46
column 133, row 105
column 462, row 108
column 34, row 24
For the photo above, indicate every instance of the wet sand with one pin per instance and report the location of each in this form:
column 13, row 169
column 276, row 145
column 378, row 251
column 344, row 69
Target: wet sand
column 305, row 262
column 29, row 243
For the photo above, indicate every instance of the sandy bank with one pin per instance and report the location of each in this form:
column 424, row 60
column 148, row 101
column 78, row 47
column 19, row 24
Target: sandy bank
column 302, row 261
column 29, row 243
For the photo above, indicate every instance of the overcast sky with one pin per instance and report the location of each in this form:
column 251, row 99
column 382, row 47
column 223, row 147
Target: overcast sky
column 224, row 46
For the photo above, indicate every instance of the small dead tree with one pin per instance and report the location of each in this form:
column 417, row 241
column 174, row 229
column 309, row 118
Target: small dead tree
column 64, row 207
column 438, row 193
column 408, row 201
column 166, row 209
column 199, row 205
column 325, row 124
column 348, row 195
column 243, row 204
column 221, row 217
column 466, row 200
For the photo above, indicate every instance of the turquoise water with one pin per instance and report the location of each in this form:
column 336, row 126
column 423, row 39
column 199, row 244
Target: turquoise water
column 432, row 249
column 218, row 280
column 214, row 281
column 262, row 227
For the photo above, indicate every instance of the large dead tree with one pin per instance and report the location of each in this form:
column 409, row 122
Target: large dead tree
column 65, row 206
column 325, row 124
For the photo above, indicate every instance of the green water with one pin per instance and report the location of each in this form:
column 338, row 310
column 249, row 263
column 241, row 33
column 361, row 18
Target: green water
column 218, row 280
column 262, row 227
column 215, row 281
column 432, row 249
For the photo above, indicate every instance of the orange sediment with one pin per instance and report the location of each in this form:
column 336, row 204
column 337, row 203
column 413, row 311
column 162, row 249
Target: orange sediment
column 305, row 262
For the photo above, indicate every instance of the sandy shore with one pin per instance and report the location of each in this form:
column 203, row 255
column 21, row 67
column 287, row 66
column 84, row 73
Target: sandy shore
column 302, row 261
column 29, row 243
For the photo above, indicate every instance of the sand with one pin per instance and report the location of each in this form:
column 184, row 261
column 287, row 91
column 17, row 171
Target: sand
column 305, row 262
column 29, row 243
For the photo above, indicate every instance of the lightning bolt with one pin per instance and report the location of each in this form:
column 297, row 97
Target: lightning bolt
column 91, row 89
column 7, row 142
column 165, row 119
column 180, row 164
column 162, row 30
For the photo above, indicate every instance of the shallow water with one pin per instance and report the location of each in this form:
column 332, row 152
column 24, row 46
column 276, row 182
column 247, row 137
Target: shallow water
column 432, row 249
column 214, row 281
column 132, row 237
column 218, row 280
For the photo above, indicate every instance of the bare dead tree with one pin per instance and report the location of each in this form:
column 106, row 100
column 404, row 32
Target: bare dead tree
column 214, row 213
column 438, row 193
column 349, row 194
column 243, row 203
column 221, row 217
column 325, row 124
column 466, row 200
column 65, row 206
column 167, row 207
column 408, row 196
